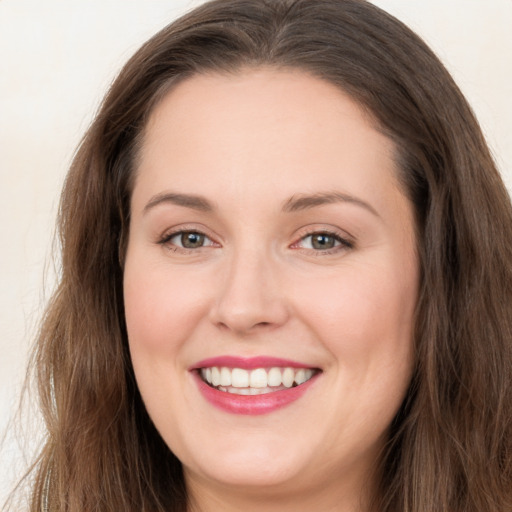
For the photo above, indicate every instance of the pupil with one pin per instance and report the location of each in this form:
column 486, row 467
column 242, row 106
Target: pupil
column 192, row 240
column 323, row 242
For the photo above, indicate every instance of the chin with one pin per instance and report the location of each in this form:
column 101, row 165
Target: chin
column 249, row 466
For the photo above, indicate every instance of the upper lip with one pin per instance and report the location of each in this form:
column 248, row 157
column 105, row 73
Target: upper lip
column 248, row 363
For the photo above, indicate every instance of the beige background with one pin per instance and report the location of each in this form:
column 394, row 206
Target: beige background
column 57, row 58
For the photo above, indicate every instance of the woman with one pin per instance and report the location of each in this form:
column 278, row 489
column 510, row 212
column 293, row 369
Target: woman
column 286, row 278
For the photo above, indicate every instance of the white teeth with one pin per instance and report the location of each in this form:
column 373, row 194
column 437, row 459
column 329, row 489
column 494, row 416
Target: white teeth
column 274, row 377
column 255, row 382
column 300, row 376
column 215, row 376
column 225, row 377
column 239, row 378
column 288, row 377
column 258, row 378
column 308, row 373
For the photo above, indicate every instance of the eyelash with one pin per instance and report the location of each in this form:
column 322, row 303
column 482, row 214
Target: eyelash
column 344, row 244
column 166, row 240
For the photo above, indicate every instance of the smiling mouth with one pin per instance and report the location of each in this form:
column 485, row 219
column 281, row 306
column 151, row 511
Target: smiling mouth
column 259, row 381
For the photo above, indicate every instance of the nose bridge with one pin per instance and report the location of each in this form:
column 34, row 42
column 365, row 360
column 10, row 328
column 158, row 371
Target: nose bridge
column 250, row 296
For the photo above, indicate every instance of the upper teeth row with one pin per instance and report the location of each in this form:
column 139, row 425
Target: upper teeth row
column 258, row 378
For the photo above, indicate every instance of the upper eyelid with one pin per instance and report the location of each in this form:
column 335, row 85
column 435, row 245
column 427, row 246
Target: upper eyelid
column 330, row 230
column 184, row 228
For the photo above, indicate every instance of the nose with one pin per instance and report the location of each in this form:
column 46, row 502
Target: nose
column 250, row 297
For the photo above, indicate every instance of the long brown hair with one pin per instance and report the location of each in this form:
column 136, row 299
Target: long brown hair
column 450, row 445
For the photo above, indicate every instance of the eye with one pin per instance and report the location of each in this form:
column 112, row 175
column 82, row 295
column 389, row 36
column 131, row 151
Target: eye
column 320, row 241
column 323, row 241
column 187, row 240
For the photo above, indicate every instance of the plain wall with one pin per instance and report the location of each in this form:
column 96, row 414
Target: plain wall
column 57, row 58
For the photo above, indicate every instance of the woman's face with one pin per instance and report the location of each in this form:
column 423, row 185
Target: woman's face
column 272, row 253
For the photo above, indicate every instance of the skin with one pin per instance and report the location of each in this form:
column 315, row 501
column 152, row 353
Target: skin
column 249, row 143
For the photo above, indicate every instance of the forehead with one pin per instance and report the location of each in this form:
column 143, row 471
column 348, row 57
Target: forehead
column 221, row 133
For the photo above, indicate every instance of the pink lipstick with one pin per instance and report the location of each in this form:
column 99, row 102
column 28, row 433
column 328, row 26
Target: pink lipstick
column 256, row 385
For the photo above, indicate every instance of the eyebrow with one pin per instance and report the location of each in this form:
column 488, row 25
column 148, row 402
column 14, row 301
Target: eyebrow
column 186, row 200
column 303, row 202
column 296, row 203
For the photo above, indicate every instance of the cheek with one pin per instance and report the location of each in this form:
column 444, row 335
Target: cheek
column 161, row 307
column 363, row 314
column 162, row 310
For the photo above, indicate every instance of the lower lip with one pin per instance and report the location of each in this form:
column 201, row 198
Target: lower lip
column 252, row 404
